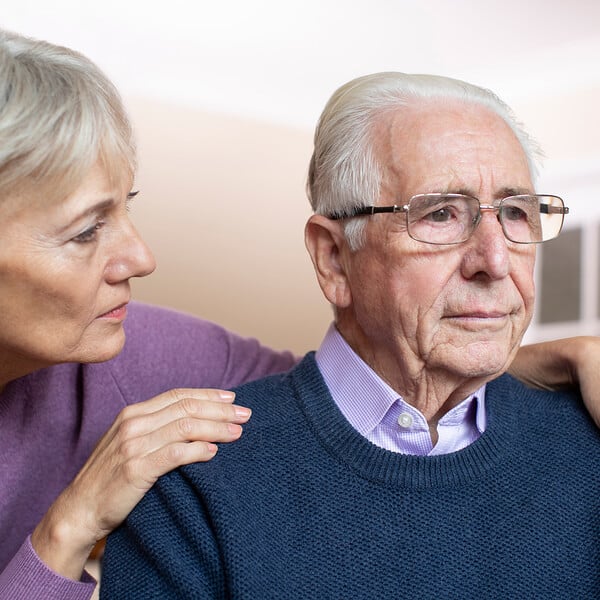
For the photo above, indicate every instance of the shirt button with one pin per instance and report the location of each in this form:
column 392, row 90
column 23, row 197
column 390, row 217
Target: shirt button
column 405, row 420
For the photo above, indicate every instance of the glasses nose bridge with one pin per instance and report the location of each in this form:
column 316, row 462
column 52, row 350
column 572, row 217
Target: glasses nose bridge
column 487, row 208
column 490, row 208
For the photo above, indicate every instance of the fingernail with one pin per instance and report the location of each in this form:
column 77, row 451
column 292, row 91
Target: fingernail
column 212, row 448
column 242, row 412
column 234, row 429
column 226, row 395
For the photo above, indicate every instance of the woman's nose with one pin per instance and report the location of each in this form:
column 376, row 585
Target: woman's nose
column 132, row 257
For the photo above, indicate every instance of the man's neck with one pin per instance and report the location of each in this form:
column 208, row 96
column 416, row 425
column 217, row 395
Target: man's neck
column 433, row 392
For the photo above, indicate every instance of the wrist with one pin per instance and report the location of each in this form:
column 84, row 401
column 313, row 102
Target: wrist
column 62, row 545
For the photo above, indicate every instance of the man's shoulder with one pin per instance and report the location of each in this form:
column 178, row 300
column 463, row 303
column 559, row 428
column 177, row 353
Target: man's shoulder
column 283, row 385
column 277, row 425
column 552, row 417
column 509, row 390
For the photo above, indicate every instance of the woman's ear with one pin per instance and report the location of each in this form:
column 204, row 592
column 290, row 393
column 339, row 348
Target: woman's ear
column 328, row 249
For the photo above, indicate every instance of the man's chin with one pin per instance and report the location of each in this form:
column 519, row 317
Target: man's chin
column 482, row 360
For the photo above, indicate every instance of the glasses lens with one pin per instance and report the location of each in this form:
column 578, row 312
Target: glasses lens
column 442, row 218
column 531, row 219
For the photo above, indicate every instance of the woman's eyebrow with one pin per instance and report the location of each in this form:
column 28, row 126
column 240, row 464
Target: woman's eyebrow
column 99, row 207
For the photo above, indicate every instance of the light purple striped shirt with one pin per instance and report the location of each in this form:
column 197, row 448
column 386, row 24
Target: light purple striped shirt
column 376, row 411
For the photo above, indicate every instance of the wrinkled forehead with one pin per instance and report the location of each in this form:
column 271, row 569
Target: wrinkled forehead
column 449, row 146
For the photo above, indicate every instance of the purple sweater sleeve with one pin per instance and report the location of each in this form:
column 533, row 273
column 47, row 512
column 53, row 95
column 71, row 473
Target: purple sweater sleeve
column 26, row 577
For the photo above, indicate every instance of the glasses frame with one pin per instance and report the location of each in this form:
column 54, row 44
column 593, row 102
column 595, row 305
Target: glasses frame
column 365, row 211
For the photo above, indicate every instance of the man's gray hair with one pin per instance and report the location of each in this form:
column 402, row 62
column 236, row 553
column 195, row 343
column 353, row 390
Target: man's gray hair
column 59, row 114
column 344, row 171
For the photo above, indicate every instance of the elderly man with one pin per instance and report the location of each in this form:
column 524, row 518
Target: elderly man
column 397, row 462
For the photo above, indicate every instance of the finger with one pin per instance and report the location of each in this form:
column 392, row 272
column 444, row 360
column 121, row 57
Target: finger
column 129, row 427
column 144, row 472
column 183, row 430
column 177, row 394
column 177, row 455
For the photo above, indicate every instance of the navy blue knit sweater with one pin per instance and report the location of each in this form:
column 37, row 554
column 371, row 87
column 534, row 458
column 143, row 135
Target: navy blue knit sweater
column 304, row 507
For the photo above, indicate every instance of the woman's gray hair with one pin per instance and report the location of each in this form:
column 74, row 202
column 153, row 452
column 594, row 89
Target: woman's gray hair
column 344, row 171
column 59, row 114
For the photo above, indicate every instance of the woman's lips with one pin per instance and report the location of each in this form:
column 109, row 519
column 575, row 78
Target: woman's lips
column 116, row 313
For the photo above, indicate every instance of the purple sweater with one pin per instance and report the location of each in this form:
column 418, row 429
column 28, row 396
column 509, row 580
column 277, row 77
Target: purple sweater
column 51, row 420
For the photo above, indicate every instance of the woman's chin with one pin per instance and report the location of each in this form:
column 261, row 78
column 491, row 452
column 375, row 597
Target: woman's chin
column 103, row 349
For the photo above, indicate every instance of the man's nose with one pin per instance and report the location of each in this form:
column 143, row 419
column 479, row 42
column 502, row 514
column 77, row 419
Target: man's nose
column 487, row 249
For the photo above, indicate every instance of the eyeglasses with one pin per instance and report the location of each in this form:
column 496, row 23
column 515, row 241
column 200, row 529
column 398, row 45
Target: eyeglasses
column 452, row 218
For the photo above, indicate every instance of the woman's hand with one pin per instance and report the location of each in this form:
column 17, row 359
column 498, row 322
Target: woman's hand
column 560, row 364
column 146, row 441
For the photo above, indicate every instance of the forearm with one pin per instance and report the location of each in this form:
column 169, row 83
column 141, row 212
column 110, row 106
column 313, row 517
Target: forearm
column 26, row 577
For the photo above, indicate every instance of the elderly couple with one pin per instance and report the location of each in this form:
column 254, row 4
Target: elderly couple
column 398, row 461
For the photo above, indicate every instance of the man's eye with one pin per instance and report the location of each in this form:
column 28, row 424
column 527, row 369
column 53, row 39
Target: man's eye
column 442, row 215
column 513, row 213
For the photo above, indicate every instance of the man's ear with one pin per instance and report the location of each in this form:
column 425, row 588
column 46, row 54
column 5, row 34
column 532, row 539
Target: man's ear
column 329, row 252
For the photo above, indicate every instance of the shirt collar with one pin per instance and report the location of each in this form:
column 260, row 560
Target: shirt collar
column 350, row 381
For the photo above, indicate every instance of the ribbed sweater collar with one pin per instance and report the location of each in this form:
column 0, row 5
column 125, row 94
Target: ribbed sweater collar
column 348, row 446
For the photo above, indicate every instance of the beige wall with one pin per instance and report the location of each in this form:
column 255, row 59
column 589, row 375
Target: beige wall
column 222, row 204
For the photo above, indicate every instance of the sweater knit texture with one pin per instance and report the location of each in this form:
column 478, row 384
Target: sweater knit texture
column 304, row 507
column 51, row 420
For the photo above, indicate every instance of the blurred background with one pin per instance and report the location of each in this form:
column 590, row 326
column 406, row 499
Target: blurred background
column 224, row 97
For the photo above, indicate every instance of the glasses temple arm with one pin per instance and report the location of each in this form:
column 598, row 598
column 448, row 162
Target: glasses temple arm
column 368, row 210
column 546, row 209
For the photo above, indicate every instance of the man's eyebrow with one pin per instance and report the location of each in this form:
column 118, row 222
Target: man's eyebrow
column 504, row 192
column 464, row 191
column 512, row 191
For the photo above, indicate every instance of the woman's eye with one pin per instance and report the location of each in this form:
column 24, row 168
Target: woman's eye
column 129, row 199
column 89, row 235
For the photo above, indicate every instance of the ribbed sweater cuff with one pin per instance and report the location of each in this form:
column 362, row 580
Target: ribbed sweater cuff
column 26, row 577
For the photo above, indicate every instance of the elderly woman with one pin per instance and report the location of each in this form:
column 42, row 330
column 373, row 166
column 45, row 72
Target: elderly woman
column 88, row 420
